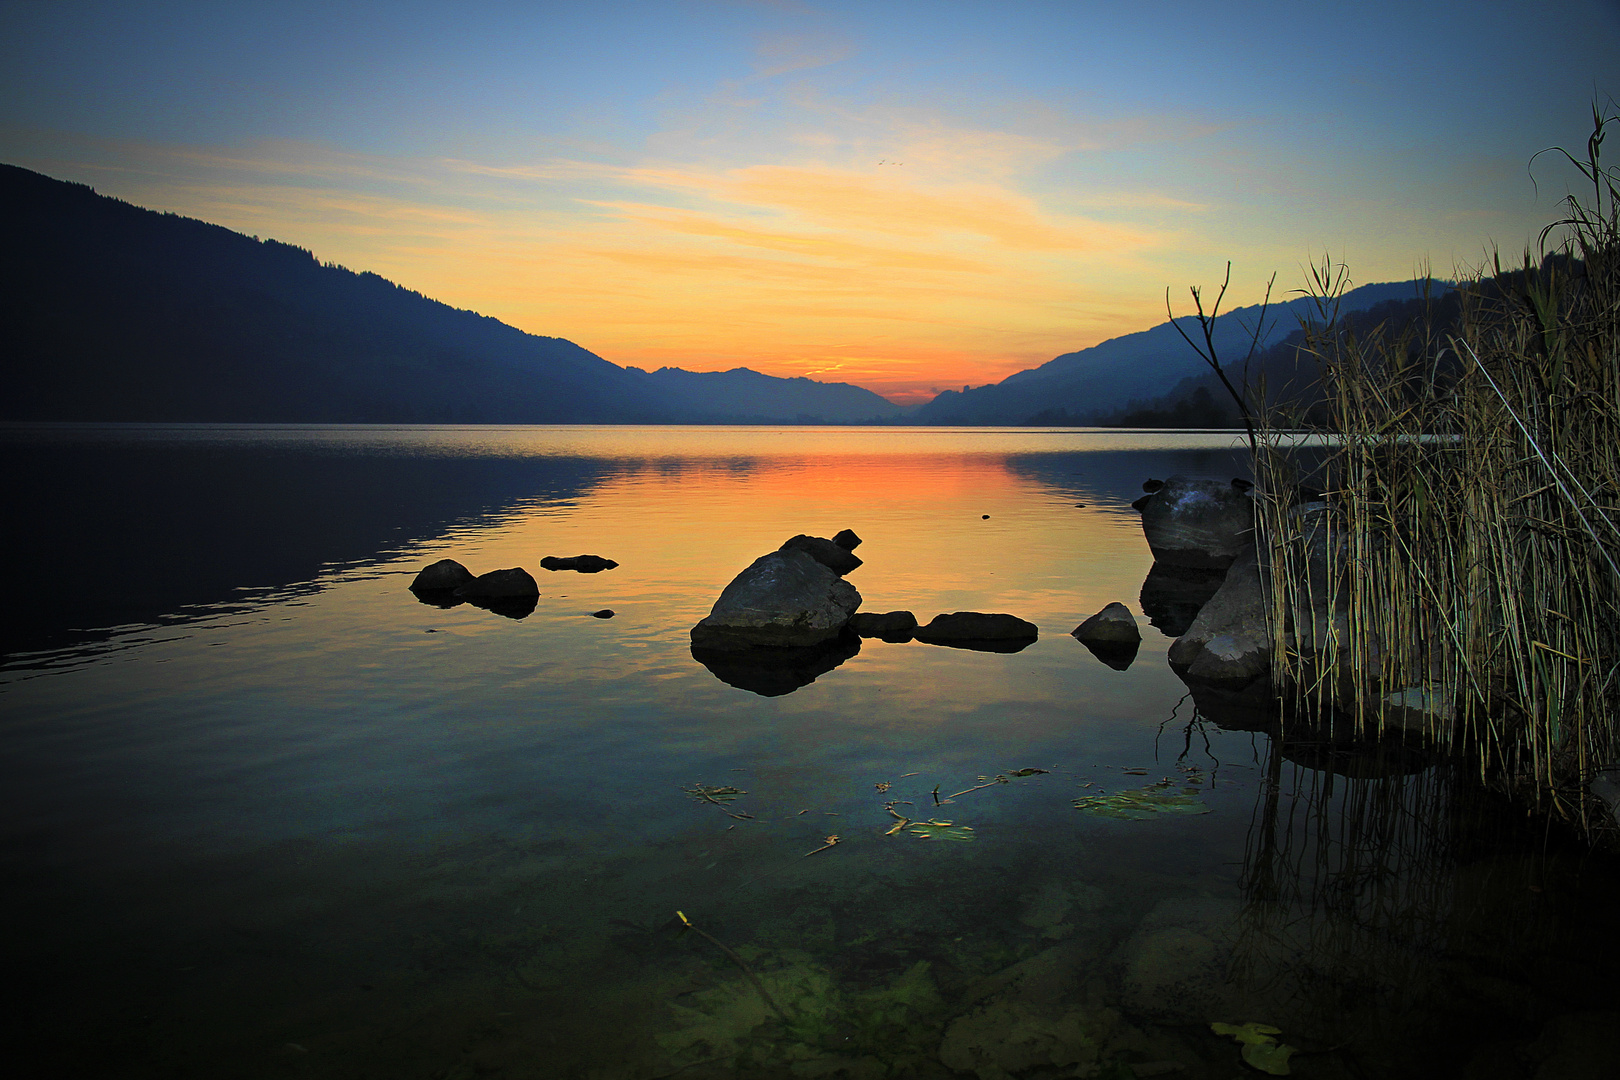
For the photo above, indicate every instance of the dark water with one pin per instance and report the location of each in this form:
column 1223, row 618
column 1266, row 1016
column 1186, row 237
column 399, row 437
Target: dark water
column 265, row 814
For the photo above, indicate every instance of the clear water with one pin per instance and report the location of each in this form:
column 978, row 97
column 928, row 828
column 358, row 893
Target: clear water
column 264, row 813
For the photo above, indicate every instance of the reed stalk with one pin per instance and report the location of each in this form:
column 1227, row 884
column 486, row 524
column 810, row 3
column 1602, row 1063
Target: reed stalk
column 1466, row 554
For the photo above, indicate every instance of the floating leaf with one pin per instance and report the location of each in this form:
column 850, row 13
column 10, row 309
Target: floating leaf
column 940, row 830
column 1260, row 1047
column 1269, row 1057
column 1250, row 1034
column 1139, row 804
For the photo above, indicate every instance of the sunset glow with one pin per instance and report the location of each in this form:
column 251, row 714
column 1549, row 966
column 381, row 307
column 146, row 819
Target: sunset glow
column 909, row 198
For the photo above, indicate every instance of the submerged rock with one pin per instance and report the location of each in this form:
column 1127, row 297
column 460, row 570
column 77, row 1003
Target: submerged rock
column 441, row 576
column 786, row 598
column 584, row 564
column 889, row 625
column 834, row 556
column 1196, row 522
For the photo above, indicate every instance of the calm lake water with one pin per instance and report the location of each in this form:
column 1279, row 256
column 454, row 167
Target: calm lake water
column 265, row 814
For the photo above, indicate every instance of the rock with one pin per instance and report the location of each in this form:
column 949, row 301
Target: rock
column 1606, row 786
column 772, row 671
column 442, row 575
column 1419, row 708
column 605, row 613
column 1228, row 644
column 835, row 557
column 1173, row 595
column 1113, row 625
column 499, row 585
column 785, row 598
column 1197, row 522
column 890, row 625
column 585, row 564
column 979, row 631
column 846, row 539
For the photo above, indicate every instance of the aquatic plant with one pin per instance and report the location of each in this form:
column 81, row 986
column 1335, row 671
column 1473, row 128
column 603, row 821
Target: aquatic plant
column 1142, row 803
column 1452, row 564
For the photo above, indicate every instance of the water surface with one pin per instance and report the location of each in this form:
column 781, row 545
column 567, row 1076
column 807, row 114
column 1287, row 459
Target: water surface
column 267, row 814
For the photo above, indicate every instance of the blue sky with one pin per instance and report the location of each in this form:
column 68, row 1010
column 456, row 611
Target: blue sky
column 901, row 195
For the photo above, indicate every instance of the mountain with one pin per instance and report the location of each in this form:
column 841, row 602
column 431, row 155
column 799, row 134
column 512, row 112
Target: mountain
column 117, row 313
column 748, row 395
column 1087, row 385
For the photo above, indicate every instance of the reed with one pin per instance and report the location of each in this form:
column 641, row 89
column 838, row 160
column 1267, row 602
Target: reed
column 1459, row 575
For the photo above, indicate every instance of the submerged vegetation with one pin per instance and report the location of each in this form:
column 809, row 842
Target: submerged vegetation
column 1449, row 563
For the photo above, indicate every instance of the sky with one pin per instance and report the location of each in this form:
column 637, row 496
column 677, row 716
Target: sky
column 905, row 196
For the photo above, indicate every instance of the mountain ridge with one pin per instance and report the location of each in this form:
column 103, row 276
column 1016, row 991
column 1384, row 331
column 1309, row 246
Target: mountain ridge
column 119, row 313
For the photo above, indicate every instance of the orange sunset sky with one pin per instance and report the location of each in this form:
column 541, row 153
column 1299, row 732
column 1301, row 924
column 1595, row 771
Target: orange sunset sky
column 908, row 197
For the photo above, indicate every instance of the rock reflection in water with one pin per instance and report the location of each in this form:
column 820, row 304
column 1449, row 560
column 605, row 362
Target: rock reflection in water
column 771, row 671
column 1117, row 656
column 1172, row 595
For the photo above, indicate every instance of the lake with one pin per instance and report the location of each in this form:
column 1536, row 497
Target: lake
column 266, row 814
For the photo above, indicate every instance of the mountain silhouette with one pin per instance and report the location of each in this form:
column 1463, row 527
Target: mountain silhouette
column 117, row 313
column 1086, row 386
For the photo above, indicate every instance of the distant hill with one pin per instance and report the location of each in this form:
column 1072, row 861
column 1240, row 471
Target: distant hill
column 749, row 395
column 1086, row 386
column 116, row 313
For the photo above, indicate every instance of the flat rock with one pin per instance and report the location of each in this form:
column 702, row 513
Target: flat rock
column 500, row 584
column 442, row 575
column 585, row 564
column 785, row 598
column 973, row 626
column 835, row 557
column 1197, row 522
column 1113, row 625
column 889, row 625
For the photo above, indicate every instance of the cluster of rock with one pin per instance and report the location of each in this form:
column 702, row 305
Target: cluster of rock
column 512, row 592
column 796, row 597
column 791, row 616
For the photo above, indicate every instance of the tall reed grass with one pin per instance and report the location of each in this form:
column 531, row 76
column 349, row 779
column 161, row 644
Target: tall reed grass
column 1459, row 574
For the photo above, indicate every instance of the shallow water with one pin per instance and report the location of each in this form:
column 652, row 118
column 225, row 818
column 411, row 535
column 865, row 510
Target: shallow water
column 266, row 814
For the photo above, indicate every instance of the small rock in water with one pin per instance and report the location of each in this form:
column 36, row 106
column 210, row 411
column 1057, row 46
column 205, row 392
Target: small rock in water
column 984, row 517
column 889, row 625
column 585, row 564
column 1113, row 625
column 444, row 574
column 605, row 613
column 829, row 553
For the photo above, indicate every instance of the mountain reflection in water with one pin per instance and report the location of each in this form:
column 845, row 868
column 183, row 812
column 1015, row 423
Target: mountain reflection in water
column 266, row 813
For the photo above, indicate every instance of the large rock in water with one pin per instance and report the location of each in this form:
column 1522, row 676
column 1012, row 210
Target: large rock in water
column 1229, row 643
column 784, row 598
column 1196, row 522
